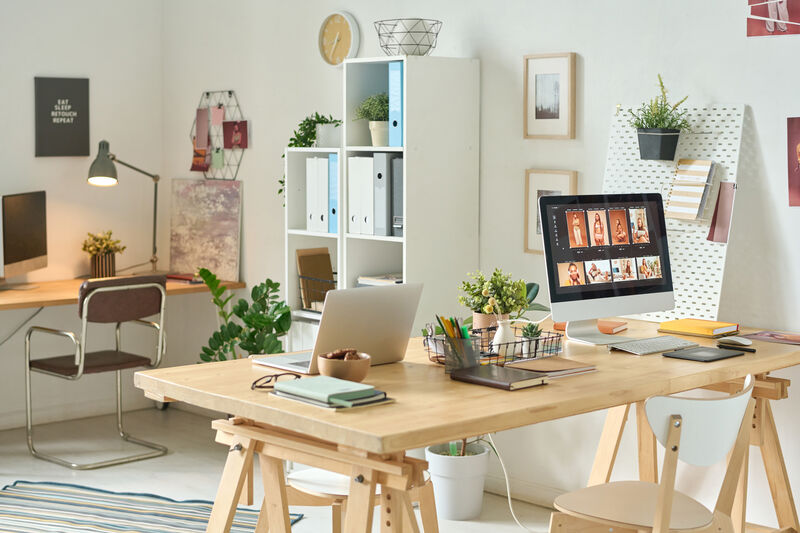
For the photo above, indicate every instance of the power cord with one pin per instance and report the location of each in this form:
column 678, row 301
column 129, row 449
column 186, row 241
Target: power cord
column 508, row 484
column 16, row 329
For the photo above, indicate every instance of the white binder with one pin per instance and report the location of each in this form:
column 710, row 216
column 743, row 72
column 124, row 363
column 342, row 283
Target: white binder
column 317, row 194
column 359, row 195
column 382, row 192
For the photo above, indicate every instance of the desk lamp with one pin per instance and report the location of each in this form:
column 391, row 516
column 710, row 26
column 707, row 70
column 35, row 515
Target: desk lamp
column 103, row 173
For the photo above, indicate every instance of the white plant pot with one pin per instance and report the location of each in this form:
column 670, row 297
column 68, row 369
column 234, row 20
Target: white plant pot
column 379, row 130
column 328, row 136
column 458, row 481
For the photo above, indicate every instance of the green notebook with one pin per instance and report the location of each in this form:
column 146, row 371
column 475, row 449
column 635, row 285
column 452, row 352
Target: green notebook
column 324, row 388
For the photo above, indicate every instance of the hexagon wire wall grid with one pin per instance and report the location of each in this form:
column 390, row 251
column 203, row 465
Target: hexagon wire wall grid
column 697, row 263
column 232, row 157
column 413, row 37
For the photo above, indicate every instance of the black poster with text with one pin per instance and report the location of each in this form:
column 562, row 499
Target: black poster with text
column 62, row 116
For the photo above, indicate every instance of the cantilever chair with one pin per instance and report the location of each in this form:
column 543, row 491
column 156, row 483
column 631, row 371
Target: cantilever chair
column 103, row 300
column 699, row 432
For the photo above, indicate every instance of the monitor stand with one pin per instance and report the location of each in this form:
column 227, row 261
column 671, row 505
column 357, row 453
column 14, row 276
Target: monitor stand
column 586, row 332
column 17, row 286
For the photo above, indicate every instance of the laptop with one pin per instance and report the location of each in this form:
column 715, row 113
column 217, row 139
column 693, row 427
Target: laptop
column 373, row 320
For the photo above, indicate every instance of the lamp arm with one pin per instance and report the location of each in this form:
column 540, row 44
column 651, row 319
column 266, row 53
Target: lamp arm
column 155, row 178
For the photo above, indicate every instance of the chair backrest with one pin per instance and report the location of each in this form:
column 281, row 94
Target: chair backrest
column 126, row 303
column 709, row 425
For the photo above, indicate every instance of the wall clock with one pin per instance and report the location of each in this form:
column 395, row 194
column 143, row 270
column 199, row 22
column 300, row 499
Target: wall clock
column 338, row 38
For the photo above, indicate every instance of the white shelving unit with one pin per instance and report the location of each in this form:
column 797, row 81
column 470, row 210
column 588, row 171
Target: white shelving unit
column 440, row 153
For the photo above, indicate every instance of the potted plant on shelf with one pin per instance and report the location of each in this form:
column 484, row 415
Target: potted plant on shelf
column 458, row 473
column 254, row 327
column 375, row 109
column 102, row 250
column 530, row 338
column 314, row 130
column 658, row 125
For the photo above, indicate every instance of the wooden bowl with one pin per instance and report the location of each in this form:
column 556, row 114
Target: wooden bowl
column 355, row 370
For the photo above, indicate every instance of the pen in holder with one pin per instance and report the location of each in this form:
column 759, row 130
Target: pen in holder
column 460, row 353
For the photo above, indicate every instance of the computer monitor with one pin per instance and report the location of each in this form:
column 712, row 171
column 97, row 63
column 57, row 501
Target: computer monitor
column 23, row 230
column 606, row 255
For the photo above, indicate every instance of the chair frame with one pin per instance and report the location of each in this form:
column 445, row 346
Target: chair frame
column 562, row 521
column 80, row 356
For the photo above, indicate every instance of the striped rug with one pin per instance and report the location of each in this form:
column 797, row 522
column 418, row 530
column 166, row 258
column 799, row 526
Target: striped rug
column 31, row 507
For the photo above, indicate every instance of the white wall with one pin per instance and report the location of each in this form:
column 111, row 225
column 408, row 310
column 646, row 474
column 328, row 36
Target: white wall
column 266, row 51
column 118, row 47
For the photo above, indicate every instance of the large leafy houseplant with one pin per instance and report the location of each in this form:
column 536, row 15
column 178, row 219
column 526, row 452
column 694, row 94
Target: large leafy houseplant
column 306, row 135
column 499, row 295
column 658, row 124
column 254, row 327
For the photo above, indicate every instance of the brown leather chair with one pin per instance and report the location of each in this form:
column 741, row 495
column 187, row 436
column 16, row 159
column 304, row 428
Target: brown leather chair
column 103, row 300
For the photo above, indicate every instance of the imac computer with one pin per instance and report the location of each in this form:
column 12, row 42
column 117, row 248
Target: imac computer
column 23, row 231
column 606, row 256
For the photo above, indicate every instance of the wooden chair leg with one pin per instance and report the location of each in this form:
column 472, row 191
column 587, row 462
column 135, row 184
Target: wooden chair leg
column 276, row 502
column 361, row 501
column 648, row 458
column 739, row 510
column 609, row 445
column 336, row 518
column 240, row 459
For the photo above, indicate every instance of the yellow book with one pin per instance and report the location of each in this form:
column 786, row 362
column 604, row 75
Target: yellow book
column 698, row 327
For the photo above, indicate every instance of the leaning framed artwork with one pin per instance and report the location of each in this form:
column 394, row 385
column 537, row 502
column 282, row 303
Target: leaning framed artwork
column 540, row 183
column 549, row 96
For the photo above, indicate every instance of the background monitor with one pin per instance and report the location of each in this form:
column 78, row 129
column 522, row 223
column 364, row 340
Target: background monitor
column 23, row 228
column 606, row 255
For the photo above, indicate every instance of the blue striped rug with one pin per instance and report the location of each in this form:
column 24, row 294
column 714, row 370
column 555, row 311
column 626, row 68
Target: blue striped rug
column 31, row 507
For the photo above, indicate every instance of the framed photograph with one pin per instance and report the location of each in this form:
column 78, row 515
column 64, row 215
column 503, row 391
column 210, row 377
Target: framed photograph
column 540, row 183
column 549, row 96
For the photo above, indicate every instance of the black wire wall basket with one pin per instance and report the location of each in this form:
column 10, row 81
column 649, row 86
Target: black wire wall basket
column 408, row 36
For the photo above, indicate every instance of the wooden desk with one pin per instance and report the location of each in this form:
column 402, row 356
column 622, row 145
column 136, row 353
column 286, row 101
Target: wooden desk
column 431, row 409
column 65, row 292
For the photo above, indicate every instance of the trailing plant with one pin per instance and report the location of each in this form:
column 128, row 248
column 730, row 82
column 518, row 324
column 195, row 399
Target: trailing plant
column 374, row 108
column 254, row 327
column 531, row 331
column 102, row 243
column 659, row 113
column 306, row 135
column 499, row 294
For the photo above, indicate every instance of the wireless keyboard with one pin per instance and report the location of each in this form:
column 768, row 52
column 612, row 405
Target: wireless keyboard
column 664, row 343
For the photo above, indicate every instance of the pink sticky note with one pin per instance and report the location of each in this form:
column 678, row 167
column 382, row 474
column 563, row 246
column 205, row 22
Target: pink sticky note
column 217, row 115
column 721, row 221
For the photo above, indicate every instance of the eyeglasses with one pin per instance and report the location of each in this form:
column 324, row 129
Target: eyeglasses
column 268, row 382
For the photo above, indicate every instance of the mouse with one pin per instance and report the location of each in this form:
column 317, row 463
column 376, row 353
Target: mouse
column 741, row 341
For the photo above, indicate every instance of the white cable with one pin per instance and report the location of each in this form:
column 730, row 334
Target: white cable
column 508, row 484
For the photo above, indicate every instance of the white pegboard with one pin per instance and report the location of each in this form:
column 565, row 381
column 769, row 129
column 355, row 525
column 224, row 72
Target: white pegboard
column 697, row 264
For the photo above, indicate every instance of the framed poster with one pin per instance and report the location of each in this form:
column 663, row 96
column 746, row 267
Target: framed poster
column 540, row 183
column 549, row 96
column 62, row 116
column 773, row 18
column 793, row 152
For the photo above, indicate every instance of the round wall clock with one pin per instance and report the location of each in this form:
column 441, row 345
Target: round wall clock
column 338, row 38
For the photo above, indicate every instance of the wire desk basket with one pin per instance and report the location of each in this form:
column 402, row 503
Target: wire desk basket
column 412, row 37
column 443, row 350
column 313, row 290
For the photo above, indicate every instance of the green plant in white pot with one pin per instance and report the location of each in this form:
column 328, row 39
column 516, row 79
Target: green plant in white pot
column 458, row 473
column 658, row 125
column 375, row 109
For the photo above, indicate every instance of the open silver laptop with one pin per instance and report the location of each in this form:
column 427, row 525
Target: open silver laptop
column 373, row 320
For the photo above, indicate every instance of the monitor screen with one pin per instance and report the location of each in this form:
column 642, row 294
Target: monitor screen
column 602, row 246
column 24, row 227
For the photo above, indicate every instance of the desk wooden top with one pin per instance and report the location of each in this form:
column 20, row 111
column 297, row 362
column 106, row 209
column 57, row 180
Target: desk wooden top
column 431, row 408
column 65, row 292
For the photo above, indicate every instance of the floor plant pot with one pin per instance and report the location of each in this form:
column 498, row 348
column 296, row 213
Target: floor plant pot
column 103, row 265
column 458, row 481
column 658, row 143
column 379, row 130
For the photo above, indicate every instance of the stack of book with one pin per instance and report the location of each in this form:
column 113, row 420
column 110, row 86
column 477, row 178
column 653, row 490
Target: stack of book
column 331, row 393
column 699, row 327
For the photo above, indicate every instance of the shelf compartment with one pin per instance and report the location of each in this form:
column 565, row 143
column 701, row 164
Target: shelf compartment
column 382, row 238
column 374, row 148
column 307, row 233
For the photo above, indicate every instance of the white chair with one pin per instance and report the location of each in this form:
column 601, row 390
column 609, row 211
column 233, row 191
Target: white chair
column 699, row 432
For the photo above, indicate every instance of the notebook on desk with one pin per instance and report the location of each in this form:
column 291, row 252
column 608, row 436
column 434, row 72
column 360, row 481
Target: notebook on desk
column 499, row 377
column 553, row 367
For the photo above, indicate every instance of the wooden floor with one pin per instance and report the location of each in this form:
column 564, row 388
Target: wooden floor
column 192, row 468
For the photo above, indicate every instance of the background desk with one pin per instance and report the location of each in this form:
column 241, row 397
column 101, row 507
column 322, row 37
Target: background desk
column 431, row 408
column 65, row 292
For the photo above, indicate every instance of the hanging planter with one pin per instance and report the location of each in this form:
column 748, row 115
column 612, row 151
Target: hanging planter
column 658, row 125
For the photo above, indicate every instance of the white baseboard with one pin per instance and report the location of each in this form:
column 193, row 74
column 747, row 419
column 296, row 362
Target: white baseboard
column 523, row 490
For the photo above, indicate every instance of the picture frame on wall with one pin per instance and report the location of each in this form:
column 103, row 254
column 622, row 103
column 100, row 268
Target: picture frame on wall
column 540, row 183
column 61, row 116
column 549, row 96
